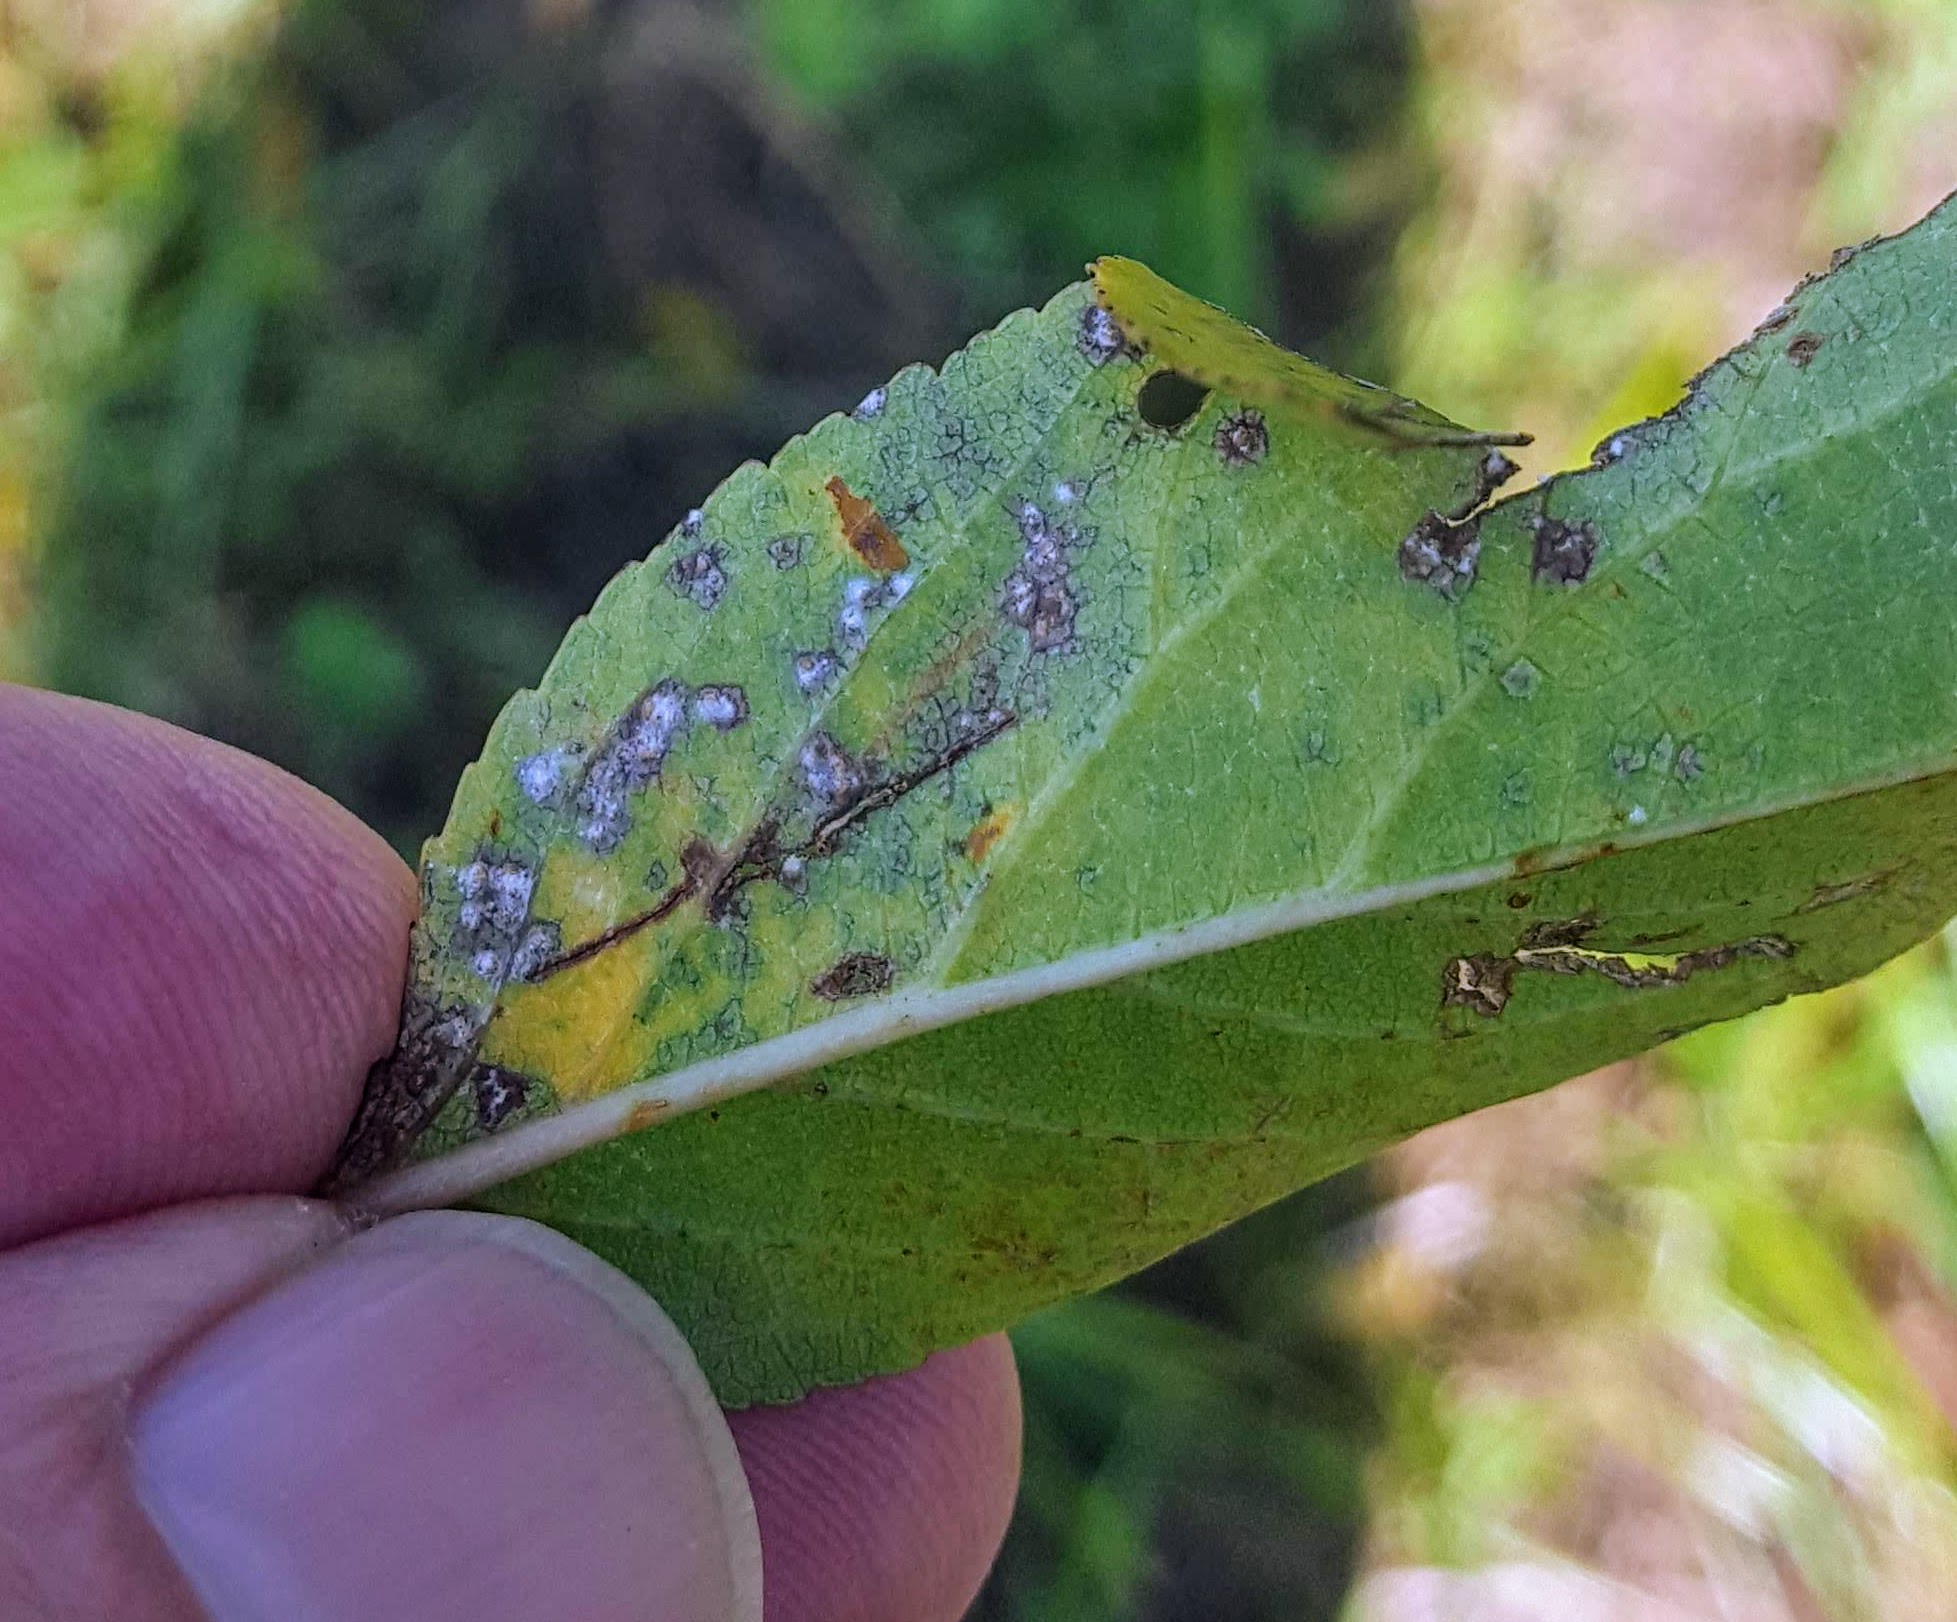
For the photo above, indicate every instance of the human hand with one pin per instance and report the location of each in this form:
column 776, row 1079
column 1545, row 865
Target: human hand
column 218, row 1400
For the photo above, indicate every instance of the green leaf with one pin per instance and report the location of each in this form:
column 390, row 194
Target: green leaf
column 1053, row 811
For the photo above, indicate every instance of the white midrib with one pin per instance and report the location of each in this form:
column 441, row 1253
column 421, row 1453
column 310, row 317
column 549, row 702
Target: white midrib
column 489, row 1161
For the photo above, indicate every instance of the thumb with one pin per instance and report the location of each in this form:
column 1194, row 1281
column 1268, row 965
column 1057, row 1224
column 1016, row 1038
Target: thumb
column 242, row 1411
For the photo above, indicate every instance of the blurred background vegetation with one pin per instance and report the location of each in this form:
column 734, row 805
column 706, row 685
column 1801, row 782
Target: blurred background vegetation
column 348, row 346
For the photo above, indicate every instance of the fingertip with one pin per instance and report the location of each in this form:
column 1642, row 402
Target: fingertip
column 453, row 1416
column 200, row 956
column 887, row 1501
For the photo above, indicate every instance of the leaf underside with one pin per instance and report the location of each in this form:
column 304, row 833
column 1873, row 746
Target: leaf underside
column 1247, row 792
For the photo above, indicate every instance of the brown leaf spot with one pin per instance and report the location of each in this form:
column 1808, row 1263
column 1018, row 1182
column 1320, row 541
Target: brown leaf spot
column 1803, row 347
column 1564, row 554
column 986, row 833
column 497, row 1094
column 869, row 537
column 1243, row 440
column 1483, row 983
column 1442, row 554
column 1833, row 895
column 645, row 1113
column 855, row 974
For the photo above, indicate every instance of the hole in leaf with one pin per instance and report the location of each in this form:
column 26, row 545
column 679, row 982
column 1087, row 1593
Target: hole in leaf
column 1168, row 401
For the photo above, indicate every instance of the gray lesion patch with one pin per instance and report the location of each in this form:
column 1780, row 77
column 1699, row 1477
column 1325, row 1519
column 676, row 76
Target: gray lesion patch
column 700, row 577
column 1485, row 982
column 543, row 777
column 1444, row 550
column 1492, row 472
column 1443, row 553
column 1100, row 337
column 434, row 1049
column 497, row 1095
column 786, row 552
column 847, row 793
column 540, row 943
column 628, row 763
column 855, row 974
column 1243, row 439
column 1040, row 596
column 493, row 904
column 1564, row 553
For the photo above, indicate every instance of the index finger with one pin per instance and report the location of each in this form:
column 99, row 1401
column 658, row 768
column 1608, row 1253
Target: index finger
column 200, row 956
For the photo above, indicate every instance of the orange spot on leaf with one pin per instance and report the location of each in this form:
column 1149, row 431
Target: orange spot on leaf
column 986, row 833
column 869, row 537
column 645, row 1113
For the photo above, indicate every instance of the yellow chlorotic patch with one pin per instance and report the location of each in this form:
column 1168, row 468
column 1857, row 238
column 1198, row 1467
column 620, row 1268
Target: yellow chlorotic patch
column 579, row 1028
column 1216, row 350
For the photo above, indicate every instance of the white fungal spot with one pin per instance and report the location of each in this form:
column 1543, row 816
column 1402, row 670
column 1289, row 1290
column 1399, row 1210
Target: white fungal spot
column 828, row 770
column 540, row 943
column 1065, row 495
column 1038, row 596
column 693, row 523
column 1101, row 337
column 495, row 895
column 484, row 965
column 722, row 708
column 862, row 596
column 871, row 405
column 1638, row 817
column 628, row 763
column 541, row 776
column 510, row 888
column 898, row 586
column 814, row 671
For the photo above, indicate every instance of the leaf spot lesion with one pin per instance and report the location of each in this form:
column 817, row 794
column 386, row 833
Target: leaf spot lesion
column 866, row 531
column 855, row 974
column 846, row 791
column 1484, row 982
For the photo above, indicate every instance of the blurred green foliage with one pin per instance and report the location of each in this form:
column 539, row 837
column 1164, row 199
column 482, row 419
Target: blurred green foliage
column 1024, row 137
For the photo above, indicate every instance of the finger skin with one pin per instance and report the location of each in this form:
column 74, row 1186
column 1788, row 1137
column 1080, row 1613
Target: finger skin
column 200, row 956
column 886, row 1502
column 455, row 1417
column 86, row 1317
column 881, row 1503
